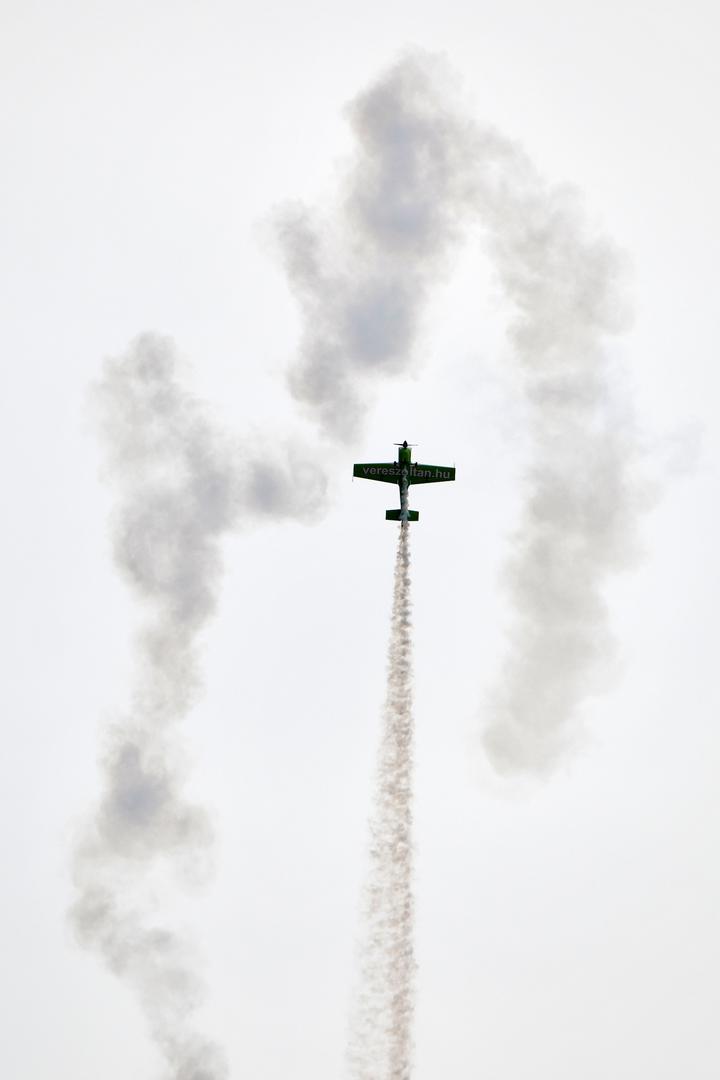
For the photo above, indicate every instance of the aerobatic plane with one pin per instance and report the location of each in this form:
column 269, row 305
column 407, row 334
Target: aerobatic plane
column 404, row 472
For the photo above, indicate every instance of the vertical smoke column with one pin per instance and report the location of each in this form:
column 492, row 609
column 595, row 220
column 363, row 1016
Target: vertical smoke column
column 380, row 1036
column 581, row 504
column 181, row 485
column 177, row 495
column 363, row 269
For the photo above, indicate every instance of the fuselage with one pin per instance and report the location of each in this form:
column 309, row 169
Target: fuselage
column 404, row 460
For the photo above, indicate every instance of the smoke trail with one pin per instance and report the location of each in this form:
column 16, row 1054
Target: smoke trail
column 421, row 171
column 362, row 274
column 581, row 502
column 380, row 1036
column 182, row 485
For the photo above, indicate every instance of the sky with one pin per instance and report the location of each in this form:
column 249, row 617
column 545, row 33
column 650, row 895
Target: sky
column 566, row 919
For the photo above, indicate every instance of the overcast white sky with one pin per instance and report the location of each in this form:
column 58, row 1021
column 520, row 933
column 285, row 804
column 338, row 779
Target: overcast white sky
column 566, row 927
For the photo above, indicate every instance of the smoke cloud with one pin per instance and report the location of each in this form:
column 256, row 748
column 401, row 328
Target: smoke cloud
column 363, row 272
column 182, row 485
column 381, row 1027
column 581, row 504
column 423, row 172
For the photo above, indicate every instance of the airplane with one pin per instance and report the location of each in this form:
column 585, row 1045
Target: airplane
column 404, row 472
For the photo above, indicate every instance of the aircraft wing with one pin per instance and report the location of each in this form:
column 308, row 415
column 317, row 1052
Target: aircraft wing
column 386, row 471
column 430, row 474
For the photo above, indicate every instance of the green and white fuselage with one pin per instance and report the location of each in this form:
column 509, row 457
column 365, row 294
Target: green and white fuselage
column 404, row 472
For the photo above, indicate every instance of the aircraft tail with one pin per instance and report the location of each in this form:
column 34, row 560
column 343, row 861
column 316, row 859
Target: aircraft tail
column 397, row 515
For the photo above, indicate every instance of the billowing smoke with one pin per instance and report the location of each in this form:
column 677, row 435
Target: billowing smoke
column 422, row 171
column 181, row 486
column 581, row 505
column 362, row 273
column 380, row 1035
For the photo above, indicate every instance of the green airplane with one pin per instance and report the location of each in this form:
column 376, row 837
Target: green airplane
column 404, row 472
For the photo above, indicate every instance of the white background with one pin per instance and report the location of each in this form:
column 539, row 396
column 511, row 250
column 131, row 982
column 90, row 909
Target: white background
column 565, row 928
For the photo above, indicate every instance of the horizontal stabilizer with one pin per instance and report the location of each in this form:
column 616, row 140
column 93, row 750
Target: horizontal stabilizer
column 396, row 515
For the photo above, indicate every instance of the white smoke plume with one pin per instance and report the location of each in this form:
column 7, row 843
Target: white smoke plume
column 362, row 273
column 380, row 1044
column 581, row 502
column 422, row 172
column 181, row 486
